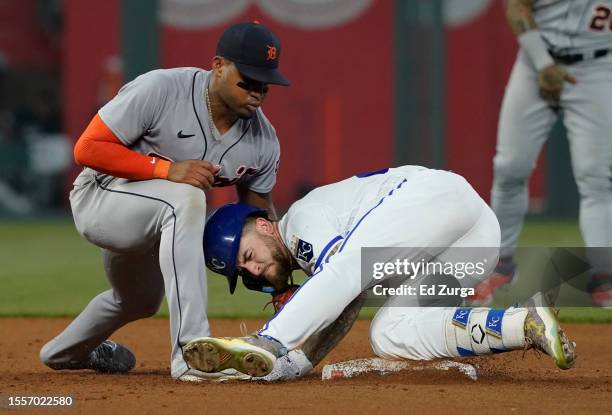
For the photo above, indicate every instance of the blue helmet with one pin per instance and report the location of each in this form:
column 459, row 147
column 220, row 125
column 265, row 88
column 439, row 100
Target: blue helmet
column 222, row 238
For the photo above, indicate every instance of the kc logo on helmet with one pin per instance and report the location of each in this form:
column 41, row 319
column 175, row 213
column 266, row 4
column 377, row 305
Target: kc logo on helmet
column 271, row 53
column 217, row 265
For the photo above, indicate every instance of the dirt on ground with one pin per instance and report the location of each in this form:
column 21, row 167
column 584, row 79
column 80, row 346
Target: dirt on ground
column 516, row 382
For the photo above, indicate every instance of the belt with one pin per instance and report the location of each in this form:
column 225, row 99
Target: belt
column 568, row 59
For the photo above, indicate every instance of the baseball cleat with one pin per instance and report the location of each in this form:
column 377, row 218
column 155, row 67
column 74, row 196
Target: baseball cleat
column 542, row 332
column 251, row 355
column 111, row 357
column 503, row 274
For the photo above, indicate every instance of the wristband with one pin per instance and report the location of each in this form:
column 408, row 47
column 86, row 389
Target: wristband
column 534, row 46
column 160, row 171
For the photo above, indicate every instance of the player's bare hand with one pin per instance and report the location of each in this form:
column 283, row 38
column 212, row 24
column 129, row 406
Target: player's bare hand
column 198, row 173
column 551, row 80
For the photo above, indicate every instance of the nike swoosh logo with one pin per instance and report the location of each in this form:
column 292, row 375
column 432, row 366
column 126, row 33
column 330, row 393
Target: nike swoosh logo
column 181, row 135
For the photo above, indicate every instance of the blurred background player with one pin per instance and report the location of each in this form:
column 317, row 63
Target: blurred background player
column 562, row 70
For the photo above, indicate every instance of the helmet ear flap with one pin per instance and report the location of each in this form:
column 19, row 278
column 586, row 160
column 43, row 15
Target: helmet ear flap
column 257, row 285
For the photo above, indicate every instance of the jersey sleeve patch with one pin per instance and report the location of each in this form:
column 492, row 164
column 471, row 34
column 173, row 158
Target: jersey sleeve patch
column 303, row 250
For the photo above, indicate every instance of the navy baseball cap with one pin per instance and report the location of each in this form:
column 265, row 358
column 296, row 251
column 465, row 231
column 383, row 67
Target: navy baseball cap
column 255, row 51
column 222, row 235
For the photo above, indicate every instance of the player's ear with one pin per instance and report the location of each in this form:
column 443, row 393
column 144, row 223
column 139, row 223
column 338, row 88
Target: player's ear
column 264, row 226
column 217, row 65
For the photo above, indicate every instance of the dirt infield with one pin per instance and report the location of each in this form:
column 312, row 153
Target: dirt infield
column 509, row 383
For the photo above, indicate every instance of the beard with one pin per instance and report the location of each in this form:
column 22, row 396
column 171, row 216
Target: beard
column 280, row 271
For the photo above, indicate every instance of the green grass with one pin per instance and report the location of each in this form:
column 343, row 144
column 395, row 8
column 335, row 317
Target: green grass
column 551, row 233
column 47, row 269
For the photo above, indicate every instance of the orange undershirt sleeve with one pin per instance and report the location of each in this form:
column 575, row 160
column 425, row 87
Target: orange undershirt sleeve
column 100, row 149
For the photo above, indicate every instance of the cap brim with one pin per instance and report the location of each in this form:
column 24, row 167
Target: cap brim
column 265, row 75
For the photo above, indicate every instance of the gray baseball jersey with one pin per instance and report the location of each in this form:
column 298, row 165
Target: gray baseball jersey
column 575, row 25
column 164, row 113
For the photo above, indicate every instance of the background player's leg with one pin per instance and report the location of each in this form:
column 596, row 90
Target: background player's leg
column 137, row 292
column 524, row 124
column 588, row 119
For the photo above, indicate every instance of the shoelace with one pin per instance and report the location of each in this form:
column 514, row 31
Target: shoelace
column 528, row 346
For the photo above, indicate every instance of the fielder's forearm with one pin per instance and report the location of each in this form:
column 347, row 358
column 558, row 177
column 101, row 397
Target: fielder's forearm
column 519, row 14
column 99, row 149
column 319, row 345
